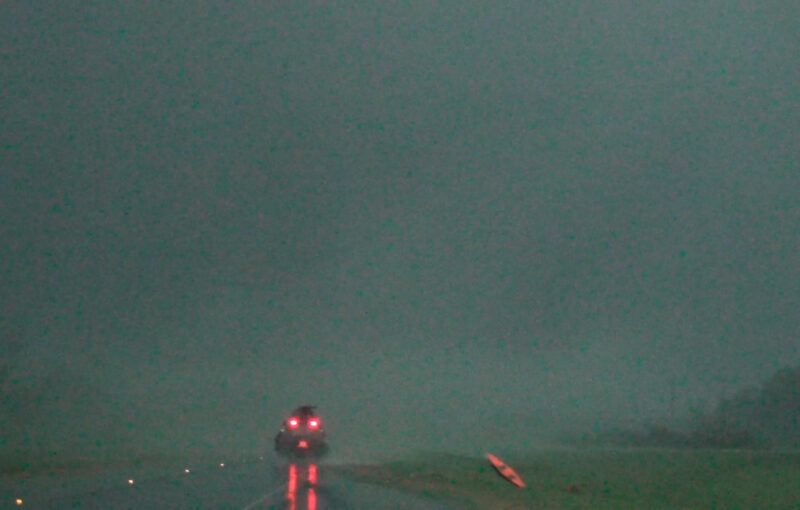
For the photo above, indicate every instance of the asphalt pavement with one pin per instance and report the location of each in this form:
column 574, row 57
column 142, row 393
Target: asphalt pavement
column 243, row 485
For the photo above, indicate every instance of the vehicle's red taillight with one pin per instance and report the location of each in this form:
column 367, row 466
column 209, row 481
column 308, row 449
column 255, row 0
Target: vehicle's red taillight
column 313, row 423
column 293, row 422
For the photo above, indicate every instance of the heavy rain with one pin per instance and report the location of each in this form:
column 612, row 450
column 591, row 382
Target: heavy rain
column 449, row 225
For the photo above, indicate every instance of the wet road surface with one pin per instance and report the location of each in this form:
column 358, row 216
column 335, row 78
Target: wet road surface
column 246, row 485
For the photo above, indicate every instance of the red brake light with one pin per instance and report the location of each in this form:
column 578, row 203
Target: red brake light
column 293, row 422
column 313, row 423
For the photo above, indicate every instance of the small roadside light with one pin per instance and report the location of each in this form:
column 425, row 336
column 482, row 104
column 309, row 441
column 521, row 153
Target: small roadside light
column 18, row 501
column 186, row 470
column 221, row 464
column 130, row 481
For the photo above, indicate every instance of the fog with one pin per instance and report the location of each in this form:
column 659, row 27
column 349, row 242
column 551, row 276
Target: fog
column 454, row 225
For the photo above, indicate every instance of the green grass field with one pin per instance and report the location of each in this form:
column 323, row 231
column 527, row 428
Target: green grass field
column 642, row 479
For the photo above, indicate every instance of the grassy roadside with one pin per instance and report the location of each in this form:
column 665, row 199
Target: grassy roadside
column 12, row 464
column 601, row 479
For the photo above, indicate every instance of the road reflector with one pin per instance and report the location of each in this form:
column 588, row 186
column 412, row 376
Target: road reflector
column 505, row 470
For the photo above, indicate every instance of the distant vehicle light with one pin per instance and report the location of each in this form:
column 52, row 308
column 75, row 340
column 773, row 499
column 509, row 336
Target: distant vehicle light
column 130, row 481
column 186, row 470
column 301, row 435
column 18, row 502
column 221, row 464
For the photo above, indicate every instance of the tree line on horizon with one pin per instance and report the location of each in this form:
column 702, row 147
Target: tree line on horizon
column 756, row 418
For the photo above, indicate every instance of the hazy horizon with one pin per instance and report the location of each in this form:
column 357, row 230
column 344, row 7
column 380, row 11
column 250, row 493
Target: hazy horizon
column 445, row 223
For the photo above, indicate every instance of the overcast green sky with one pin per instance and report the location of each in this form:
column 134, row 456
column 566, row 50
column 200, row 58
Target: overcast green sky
column 488, row 214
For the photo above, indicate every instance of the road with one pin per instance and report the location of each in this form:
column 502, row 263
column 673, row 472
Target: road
column 243, row 485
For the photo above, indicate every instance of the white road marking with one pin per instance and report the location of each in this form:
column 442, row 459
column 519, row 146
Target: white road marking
column 265, row 497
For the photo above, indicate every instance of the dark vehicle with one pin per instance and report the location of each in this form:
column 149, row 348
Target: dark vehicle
column 302, row 435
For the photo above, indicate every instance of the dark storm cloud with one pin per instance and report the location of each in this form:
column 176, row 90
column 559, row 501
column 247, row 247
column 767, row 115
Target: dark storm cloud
column 435, row 211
